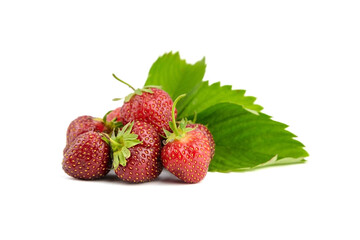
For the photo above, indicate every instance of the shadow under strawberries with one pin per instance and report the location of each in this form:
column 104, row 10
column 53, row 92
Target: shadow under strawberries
column 165, row 178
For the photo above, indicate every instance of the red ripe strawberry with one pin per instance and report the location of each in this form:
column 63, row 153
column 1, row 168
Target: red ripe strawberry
column 87, row 123
column 114, row 114
column 187, row 152
column 81, row 125
column 136, row 152
column 150, row 104
column 204, row 130
column 188, row 158
column 88, row 157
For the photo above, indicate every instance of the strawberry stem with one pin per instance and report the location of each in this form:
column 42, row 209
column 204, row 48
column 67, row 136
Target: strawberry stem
column 195, row 117
column 178, row 131
column 174, row 127
column 123, row 82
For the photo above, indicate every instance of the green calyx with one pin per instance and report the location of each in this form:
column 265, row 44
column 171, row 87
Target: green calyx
column 178, row 131
column 110, row 126
column 120, row 142
column 137, row 91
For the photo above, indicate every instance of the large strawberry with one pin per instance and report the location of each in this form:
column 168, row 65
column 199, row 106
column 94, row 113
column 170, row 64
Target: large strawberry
column 149, row 104
column 88, row 157
column 204, row 130
column 187, row 152
column 136, row 152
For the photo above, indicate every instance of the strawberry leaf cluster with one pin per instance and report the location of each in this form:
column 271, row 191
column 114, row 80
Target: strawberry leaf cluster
column 245, row 137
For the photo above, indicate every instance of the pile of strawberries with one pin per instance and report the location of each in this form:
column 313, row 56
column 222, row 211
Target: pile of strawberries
column 138, row 140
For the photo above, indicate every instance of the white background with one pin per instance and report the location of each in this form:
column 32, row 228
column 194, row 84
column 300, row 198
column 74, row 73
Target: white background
column 299, row 58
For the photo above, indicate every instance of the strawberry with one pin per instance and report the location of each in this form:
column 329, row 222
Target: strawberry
column 204, row 130
column 114, row 114
column 136, row 152
column 86, row 123
column 150, row 104
column 187, row 152
column 81, row 125
column 88, row 157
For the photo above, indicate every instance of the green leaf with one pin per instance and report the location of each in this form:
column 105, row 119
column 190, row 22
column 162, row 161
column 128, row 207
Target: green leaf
column 275, row 162
column 178, row 77
column 152, row 86
column 204, row 96
column 245, row 141
column 174, row 75
column 245, row 138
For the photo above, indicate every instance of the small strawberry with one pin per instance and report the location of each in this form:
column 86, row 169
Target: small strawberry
column 187, row 152
column 150, row 104
column 114, row 114
column 88, row 157
column 204, row 130
column 81, row 125
column 86, row 123
column 136, row 152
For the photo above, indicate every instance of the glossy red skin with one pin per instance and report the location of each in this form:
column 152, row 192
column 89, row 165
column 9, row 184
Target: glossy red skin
column 88, row 157
column 203, row 129
column 188, row 158
column 81, row 125
column 144, row 164
column 153, row 108
column 114, row 114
